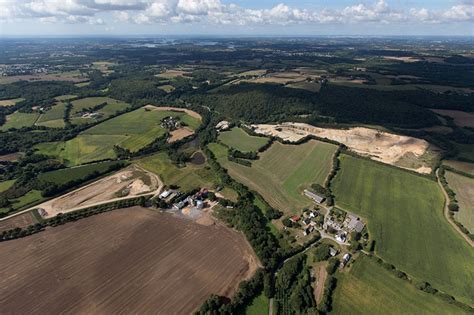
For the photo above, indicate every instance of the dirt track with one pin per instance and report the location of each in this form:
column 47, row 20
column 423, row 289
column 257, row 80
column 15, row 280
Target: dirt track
column 378, row 145
column 127, row 261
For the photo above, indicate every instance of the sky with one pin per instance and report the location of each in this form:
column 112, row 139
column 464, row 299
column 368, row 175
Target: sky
column 236, row 17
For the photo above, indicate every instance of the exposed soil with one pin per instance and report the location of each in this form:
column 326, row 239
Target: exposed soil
column 320, row 280
column 198, row 158
column 378, row 145
column 126, row 183
column 179, row 134
column 127, row 261
column 10, row 157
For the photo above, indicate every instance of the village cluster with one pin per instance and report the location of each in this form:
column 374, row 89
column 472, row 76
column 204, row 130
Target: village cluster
column 171, row 123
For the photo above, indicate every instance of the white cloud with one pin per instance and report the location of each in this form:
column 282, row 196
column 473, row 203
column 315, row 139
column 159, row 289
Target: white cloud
column 216, row 12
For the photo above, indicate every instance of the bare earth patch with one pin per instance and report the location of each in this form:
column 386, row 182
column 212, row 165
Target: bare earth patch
column 179, row 134
column 378, row 145
column 10, row 157
column 462, row 119
column 22, row 221
column 127, row 261
column 127, row 183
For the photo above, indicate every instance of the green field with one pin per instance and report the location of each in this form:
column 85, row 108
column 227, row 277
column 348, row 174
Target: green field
column 370, row 289
column 112, row 107
column 464, row 188
column 6, row 184
column 133, row 131
column 283, row 171
column 19, row 120
column 242, row 141
column 258, row 306
column 65, row 175
column 54, row 117
column 33, row 196
column 65, row 97
column 187, row 178
column 405, row 217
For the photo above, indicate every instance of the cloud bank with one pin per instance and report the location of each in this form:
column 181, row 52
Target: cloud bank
column 214, row 12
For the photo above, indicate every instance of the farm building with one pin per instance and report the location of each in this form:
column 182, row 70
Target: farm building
column 345, row 259
column 317, row 198
column 223, row 125
column 354, row 223
column 165, row 194
column 332, row 251
column 294, row 218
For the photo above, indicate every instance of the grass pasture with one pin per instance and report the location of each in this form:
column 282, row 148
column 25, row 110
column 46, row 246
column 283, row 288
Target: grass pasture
column 238, row 139
column 405, row 217
column 65, row 175
column 464, row 188
column 112, row 107
column 54, row 117
column 6, row 184
column 33, row 196
column 187, row 178
column 18, row 120
column 258, row 306
column 283, row 171
column 368, row 288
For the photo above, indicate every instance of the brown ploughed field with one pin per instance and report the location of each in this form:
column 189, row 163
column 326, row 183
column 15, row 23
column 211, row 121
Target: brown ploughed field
column 127, row 261
column 21, row 220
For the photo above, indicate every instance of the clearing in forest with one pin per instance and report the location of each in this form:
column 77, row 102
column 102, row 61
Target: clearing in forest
column 283, row 171
column 405, row 217
column 369, row 288
column 131, row 260
column 242, row 141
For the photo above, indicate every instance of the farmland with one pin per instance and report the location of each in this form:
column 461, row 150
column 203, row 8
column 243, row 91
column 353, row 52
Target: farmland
column 242, row 141
column 405, row 217
column 18, row 120
column 283, row 171
column 53, row 117
column 10, row 102
column 65, row 175
column 22, row 220
column 130, row 259
column 464, row 188
column 132, row 131
column 462, row 119
column 81, row 105
column 368, row 288
column 461, row 166
column 187, row 178
column 31, row 197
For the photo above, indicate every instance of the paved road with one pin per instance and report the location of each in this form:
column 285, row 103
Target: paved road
column 446, row 212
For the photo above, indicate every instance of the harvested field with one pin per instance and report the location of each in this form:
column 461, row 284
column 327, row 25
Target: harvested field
column 462, row 119
column 175, row 109
column 464, row 188
column 133, row 261
column 304, row 85
column 179, row 134
column 171, row 74
column 378, row 145
column 72, row 76
column 10, row 102
column 461, row 166
column 283, row 171
column 22, row 221
column 10, row 157
column 130, row 182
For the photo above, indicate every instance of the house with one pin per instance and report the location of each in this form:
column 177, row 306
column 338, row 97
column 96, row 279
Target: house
column 312, row 214
column 294, row 218
column 354, row 223
column 341, row 237
column 317, row 198
column 180, row 205
column 345, row 259
column 165, row 194
column 332, row 251
column 308, row 230
column 307, row 221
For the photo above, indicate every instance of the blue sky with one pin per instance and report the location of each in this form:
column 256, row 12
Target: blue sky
column 234, row 17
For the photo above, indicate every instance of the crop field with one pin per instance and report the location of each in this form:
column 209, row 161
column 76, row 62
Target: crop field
column 130, row 260
column 187, row 178
column 65, row 97
column 405, row 217
column 21, row 220
column 133, row 131
column 10, row 102
column 54, row 117
column 368, row 288
column 112, row 107
column 19, row 120
column 462, row 119
column 283, row 171
column 242, row 141
column 309, row 86
column 464, row 188
column 461, row 166
column 65, row 175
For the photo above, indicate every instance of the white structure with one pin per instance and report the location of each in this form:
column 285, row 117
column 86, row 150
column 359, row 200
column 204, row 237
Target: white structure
column 223, row 125
column 165, row 194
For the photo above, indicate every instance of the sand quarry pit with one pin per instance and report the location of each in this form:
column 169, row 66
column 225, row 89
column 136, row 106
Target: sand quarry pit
column 130, row 182
column 126, row 261
column 378, row 145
